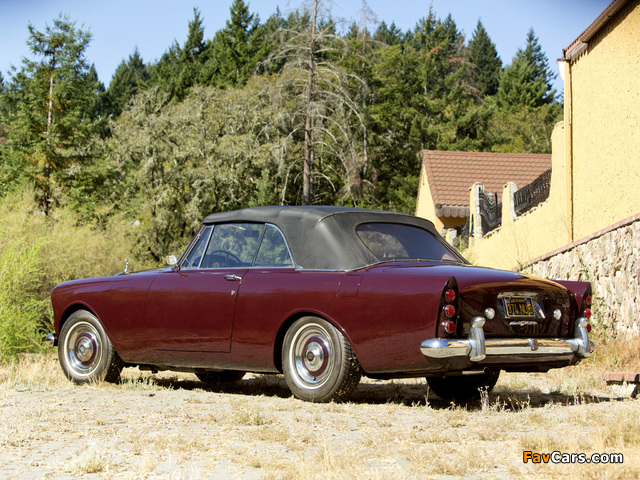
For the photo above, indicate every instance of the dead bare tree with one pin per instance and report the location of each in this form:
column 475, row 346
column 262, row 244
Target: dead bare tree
column 315, row 96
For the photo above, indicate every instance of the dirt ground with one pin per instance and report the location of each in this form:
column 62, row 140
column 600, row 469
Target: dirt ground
column 171, row 426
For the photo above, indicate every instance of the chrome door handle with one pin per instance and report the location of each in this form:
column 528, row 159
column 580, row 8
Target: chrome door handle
column 232, row 278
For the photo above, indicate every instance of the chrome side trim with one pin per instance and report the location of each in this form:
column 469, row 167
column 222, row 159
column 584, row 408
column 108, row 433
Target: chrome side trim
column 477, row 348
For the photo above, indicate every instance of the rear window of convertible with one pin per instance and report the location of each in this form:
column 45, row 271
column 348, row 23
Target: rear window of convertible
column 391, row 241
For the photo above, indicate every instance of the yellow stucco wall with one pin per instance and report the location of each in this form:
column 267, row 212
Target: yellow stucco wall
column 605, row 110
column 595, row 180
column 424, row 205
column 537, row 232
column 453, row 222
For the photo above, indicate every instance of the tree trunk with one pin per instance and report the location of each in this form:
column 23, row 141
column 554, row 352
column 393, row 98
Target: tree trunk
column 365, row 135
column 309, row 152
column 46, row 173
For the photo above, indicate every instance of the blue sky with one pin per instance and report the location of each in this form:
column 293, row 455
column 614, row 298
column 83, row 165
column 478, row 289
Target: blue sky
column 119, row 26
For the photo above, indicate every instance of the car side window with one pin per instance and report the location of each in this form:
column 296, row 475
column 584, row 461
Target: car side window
column 389, row 241
column 194, row 258
column 273, row 250
column 233, row 245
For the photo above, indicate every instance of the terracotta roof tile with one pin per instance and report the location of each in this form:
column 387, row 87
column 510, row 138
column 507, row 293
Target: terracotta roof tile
column 451, row 174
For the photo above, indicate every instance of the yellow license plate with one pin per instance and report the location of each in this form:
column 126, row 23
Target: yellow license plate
column 519, row 307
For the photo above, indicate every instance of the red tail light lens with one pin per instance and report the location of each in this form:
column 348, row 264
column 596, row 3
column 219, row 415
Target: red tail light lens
column 587, row 300
column 449, row 310
column 450, row 327
column 588, row 327
column 587, row 313
column 448, row 316
column 450, row 295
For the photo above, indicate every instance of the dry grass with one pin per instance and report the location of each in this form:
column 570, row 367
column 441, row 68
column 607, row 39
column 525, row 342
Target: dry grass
column 172, row 426
column 621, row 352
column 93, row 460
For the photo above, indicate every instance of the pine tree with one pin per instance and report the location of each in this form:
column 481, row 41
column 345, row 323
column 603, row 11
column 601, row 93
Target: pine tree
column 353, row 32
column 95, row 107
column 484, row 62
column 180, row 68
column 191, row 56
column 49, row 106
column 526, row 107
column 422, row 100
column 535, row 56
column 453, row 34
column 165, row 72
column 519, row 87
column 527, row 81
column 128, row 79
column 390, row 35
column 234, row 50
column 194, row 46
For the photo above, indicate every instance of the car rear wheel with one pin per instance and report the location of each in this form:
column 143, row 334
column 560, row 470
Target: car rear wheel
column 85, row 352
column 227, row 376
column 318, row 362
column 463, row 388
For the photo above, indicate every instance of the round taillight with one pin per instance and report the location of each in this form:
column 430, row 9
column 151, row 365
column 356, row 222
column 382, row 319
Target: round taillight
column 450, row 327
column 587, row 300
column 588, row 327
column 450, row 295
column 587, row 313
column 449, row 310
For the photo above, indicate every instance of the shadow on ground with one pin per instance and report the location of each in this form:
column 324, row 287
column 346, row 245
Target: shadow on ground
column 400, row 392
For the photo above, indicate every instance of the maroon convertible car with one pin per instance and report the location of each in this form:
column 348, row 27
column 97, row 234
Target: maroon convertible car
column 323, row 295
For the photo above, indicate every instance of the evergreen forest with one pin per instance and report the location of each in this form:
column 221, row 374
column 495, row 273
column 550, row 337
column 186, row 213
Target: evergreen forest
column 290, row 110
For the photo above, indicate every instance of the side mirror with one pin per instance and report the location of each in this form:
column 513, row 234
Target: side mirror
column 171, row 260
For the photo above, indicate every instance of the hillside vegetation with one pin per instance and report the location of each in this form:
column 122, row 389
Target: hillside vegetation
column 301, row 109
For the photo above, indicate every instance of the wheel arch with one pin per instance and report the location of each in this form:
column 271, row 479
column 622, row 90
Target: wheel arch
column 73, row 308
column 284, row 327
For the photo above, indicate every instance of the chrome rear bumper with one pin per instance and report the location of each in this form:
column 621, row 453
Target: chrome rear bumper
column 477, row 348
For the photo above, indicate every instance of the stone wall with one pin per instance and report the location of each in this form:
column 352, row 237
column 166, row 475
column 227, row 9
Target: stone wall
column 610, row 260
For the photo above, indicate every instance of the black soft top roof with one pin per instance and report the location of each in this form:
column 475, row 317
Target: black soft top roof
column 322, row 237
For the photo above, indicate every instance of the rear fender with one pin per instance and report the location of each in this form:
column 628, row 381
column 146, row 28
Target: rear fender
column 578, row 291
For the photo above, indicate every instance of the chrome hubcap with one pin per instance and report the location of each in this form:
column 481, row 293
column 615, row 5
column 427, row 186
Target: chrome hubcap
column 313, row 355
column 83, row 348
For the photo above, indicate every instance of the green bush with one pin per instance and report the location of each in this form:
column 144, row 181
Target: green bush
column 20, row 308
column 37, row 252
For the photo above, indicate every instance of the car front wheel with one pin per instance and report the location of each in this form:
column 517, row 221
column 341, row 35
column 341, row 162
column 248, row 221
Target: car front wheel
column 85, row 352
column 318, row 362
column 463, row 388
